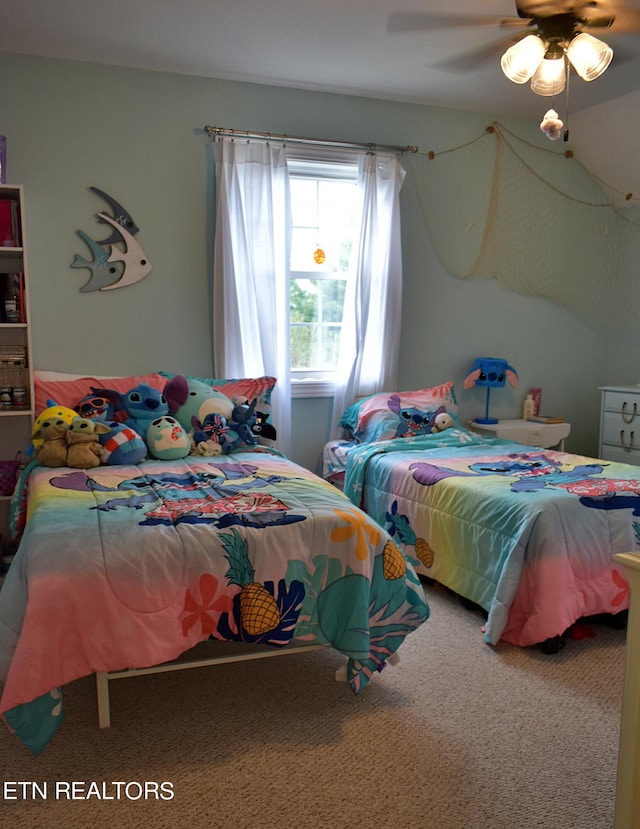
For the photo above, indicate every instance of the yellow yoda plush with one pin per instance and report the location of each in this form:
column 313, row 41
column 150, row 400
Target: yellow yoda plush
column 52, row 412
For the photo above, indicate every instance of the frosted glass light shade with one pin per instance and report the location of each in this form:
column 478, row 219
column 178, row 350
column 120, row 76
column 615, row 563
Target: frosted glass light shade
column 589, row 56
column 522, row 59
column 549, row 77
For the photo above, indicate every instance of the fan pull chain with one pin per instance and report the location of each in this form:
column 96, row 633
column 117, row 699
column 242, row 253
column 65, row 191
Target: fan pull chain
column 566, row 114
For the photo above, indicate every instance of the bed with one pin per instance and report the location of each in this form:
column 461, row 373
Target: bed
column 527, row 534
column 128, row 566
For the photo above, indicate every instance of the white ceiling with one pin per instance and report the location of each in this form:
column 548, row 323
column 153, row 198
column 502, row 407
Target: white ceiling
column 340, row 46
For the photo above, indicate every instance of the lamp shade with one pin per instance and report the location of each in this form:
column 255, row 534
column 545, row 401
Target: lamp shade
column 522, row 59
column 549, row 77
column 492, row 373
column 589, row 56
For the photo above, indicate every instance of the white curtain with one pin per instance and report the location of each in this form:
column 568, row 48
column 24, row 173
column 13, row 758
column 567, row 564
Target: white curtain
column 251, row 270
column 369, row 348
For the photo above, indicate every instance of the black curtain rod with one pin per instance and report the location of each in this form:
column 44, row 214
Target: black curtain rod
column 220, row 132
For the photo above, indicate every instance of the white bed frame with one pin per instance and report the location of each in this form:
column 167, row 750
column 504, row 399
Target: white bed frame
column 628, row 781
column 103, row 678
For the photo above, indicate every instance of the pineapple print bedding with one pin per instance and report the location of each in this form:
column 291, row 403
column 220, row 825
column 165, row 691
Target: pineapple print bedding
column 130, row 566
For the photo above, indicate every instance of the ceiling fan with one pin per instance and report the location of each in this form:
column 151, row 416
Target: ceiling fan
column 545, row 38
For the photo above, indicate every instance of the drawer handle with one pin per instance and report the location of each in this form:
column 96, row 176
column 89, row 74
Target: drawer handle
column 628, row 448
column 625, row 417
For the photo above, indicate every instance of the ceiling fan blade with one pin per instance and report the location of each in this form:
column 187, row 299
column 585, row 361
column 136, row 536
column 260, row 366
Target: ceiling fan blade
column 421, row 21
column 464, row 61
column 528, row 9
column 627, row 21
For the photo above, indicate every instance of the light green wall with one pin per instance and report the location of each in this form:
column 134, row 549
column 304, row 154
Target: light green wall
column 138, row 136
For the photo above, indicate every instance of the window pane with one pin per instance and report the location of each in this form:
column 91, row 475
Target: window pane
column 304, row 300
column 333, row 291
column 323, row 208
column 304, row 202
column 322, row 214
column 331, row 346
column 304, row 242
column 316, row 323
column 300, row 346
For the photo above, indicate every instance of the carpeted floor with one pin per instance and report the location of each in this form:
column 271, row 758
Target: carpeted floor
column 458, row 735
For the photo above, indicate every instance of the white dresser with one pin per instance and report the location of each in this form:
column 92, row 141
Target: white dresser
column 620, row 424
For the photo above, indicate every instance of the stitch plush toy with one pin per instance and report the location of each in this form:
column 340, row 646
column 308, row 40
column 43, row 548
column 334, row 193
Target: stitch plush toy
column 243, row 419
column 141, row 405
column 84, row 449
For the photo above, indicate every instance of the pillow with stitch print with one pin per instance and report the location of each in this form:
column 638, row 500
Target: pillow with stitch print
column 389, row 415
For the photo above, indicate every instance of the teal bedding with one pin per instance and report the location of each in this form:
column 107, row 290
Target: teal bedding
column 526, row 533
column 130, row 566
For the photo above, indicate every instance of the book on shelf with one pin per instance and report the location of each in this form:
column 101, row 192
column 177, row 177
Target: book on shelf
column 10, row 230
column 546, row 419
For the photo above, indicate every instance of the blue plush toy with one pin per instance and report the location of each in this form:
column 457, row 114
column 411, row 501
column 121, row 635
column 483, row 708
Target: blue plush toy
column 243, row 419
column 95, row 407
column 122, row 445
column 142, row 404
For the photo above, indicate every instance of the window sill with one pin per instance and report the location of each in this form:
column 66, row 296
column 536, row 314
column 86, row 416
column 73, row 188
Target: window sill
column 312, row 388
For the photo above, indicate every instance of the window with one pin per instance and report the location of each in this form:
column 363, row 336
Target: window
column 324, row 207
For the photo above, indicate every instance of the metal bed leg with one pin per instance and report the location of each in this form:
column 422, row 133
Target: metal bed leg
column 102, row 694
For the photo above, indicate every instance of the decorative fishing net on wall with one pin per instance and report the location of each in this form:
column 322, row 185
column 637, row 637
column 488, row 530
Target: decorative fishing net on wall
column 536, row 221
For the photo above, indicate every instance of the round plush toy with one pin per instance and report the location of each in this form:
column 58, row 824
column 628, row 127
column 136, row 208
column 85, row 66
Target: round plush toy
column 122, row 445
column 52, row 412
column 199, row 401
column 167, row 439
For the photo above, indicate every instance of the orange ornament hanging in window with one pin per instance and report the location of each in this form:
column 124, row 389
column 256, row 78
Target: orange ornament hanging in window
column 319, row 256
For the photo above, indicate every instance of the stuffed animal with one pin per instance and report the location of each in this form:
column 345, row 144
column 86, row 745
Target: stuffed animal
column 95, row 407
column 141, row 405
column 207, row 438
column 84, row 449
column 53, row 411
column 167, row 439
column 52, row 446
column 243, row 419
column 122, row 445
column 264, row 431
column 199, row 400
column 441, row 420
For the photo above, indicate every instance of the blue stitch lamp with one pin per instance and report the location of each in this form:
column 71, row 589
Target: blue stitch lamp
column 493, row 373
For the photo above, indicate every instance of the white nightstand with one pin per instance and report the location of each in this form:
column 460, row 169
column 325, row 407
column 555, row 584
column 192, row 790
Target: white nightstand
column 527, row 432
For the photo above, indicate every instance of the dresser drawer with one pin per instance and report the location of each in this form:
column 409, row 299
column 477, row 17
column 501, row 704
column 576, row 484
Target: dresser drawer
column 617, row 454
column 625, row 404
column 615, row 432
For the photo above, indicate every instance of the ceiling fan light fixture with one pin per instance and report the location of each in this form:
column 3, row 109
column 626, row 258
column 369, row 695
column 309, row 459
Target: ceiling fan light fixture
column 549, row 77
column 521, row 60
column 589, row 56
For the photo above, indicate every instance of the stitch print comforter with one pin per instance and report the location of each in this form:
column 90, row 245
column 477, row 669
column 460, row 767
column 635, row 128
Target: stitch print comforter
column 130, row 566
column 526, row 533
